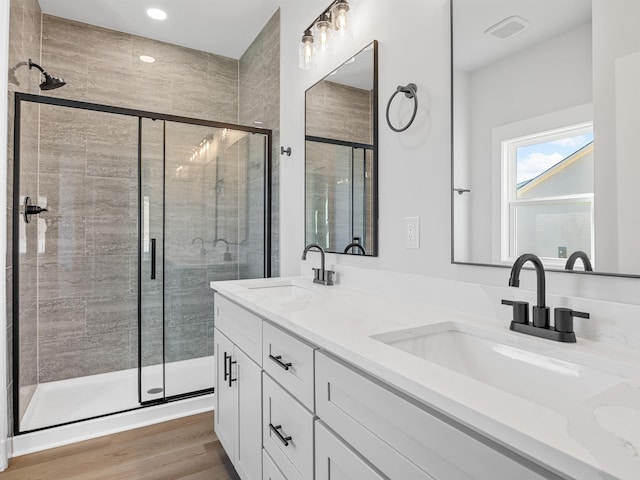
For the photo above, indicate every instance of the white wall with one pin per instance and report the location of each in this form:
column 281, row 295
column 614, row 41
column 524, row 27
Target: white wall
column 415, row 165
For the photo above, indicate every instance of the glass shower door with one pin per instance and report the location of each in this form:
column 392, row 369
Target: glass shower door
column 74, row 282
column 121, row 221
column 202, row 219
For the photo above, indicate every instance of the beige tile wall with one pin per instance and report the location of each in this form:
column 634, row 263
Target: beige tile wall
column 260, row 101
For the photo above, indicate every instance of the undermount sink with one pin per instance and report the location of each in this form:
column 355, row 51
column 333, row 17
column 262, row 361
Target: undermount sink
column 280, row 287
column 511, row 364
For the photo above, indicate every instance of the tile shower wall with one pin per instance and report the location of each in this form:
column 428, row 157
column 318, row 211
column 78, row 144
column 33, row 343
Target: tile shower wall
column 99, row 159
column 259, row 101
column 24, row 43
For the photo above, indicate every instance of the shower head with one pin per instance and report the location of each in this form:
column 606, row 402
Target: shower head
column 50, row 83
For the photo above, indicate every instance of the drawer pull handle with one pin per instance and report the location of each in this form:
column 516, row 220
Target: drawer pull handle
column 280, row 362
column 276, row 430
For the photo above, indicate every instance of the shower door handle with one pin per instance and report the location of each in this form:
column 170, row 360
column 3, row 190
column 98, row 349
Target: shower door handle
column 153, row 259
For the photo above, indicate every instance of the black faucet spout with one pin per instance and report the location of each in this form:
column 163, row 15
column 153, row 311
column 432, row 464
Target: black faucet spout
column 579, row 255
column 321, row 276
column 314, row 246
column 514, row 279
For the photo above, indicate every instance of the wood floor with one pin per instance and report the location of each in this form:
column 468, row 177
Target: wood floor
column 183, row 449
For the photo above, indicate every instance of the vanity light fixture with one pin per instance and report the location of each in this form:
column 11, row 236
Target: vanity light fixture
column 340, row 17
column 156, row 13
column 331, row 25
column 307, row 51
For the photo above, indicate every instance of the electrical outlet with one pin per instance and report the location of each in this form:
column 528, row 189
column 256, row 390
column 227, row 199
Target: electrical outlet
column 412, row 232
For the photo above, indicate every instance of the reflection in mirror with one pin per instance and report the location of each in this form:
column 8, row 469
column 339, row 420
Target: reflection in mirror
column 341, row 158
column 526, row 178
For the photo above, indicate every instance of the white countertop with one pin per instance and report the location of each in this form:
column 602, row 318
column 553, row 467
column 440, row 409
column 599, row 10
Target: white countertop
column 595, row 439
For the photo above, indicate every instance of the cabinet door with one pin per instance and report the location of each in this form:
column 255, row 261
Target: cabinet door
column 336, row 461
column 248, row 392
column 224, row 414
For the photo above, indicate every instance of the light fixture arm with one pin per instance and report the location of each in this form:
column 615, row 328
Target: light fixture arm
column 326, row 11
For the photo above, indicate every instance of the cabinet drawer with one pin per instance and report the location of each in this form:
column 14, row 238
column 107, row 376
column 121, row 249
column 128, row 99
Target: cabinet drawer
column 269, row 469
column 290, row 362
column 287, row 431
column 401, row 439
column 336, row 461
column 240, row 326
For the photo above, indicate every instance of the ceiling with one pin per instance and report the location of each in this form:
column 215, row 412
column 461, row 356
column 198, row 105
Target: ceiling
column 223, row 27
column 473, row 49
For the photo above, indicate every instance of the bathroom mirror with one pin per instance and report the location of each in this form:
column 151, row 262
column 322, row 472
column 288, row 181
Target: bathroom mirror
column 544, row 121
column 341, row 157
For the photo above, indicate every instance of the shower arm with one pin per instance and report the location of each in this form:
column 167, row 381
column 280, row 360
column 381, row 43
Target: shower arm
column 31, row 65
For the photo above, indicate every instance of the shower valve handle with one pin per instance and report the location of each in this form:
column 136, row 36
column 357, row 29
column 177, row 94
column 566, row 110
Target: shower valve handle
column 30, row 209
column 35, row 209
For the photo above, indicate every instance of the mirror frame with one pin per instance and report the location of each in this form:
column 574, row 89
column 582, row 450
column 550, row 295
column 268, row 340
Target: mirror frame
column 453, row 192
column 374, row 136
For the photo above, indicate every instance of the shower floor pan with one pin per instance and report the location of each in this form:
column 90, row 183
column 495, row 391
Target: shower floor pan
column 65, row 401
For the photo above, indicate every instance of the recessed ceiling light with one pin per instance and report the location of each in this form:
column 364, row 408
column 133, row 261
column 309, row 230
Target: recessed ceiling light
column 156, row 13
column 147, row 58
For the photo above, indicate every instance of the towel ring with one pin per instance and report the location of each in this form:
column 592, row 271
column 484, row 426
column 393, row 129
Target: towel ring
column 410, row 91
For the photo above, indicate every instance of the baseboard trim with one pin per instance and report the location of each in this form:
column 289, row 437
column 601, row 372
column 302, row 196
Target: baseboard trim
column 77, row 432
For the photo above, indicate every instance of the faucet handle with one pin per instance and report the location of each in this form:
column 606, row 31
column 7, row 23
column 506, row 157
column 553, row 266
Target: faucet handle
column 329, row 277
column 563, row 318
column 520, row 310
column 317, row 274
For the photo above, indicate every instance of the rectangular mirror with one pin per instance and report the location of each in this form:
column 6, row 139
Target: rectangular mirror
column 341, row 157
column 542, row 122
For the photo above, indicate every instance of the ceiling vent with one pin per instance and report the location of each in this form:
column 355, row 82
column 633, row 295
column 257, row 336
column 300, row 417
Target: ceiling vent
column 507, row 28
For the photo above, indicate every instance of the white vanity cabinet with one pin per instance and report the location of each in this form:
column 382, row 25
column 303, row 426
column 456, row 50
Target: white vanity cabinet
column 238, row 387
column 403, row 439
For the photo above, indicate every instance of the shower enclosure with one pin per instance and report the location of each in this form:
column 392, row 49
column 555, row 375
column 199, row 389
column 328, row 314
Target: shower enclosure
column 122, row 218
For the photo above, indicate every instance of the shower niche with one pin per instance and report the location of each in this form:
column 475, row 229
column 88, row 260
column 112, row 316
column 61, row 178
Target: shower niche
column 112, row 305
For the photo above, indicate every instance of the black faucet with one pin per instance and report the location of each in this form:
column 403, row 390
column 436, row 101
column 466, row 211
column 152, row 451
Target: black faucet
column 355, row 245
column 202, row 250
column 578, row 255
column 562, row 331
column 320, row 275
column 227, row 254
column 540, row 311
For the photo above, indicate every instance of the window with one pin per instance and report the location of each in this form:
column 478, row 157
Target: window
column 547, row 194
